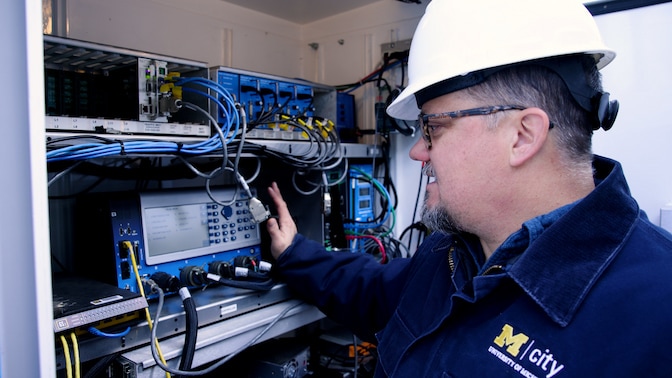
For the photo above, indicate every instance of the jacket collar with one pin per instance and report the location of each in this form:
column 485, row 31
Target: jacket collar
column 562, row 264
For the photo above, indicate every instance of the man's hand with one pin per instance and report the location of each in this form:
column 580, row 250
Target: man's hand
column 283, row 229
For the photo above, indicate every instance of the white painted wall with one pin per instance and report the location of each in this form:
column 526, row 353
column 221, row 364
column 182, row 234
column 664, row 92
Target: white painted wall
column 382, row 22
column 210, row 31
column 350, row 47
column 641, row 79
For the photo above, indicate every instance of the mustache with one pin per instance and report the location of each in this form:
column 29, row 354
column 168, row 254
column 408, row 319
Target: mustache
column 428, row 170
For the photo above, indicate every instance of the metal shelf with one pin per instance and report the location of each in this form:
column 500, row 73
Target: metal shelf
column 350, row 150
column 72, row 54
column 215, row 305
column 223, row 338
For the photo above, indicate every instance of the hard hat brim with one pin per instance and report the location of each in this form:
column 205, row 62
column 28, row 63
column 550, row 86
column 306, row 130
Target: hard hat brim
column 405, row 106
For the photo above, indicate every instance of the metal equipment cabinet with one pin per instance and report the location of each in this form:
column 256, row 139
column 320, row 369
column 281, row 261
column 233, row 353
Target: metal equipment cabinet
column 26, row 337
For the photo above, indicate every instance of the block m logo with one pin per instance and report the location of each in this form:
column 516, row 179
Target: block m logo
column 512, row 342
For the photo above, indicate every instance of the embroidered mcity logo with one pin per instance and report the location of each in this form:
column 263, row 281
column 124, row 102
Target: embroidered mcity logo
column 520, row 353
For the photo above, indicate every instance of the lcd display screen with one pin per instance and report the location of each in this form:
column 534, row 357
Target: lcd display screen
column 176, row 228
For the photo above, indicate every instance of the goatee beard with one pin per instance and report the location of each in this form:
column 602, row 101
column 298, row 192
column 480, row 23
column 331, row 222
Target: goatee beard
column 437, row 218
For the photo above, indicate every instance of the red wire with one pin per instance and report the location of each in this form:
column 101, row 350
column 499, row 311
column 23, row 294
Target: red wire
column 380, row 244
column 371, row 75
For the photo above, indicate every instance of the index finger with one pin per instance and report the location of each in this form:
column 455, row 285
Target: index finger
column 280, row 204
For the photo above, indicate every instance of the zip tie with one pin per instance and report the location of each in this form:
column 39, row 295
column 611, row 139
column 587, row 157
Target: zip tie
column 123, row 149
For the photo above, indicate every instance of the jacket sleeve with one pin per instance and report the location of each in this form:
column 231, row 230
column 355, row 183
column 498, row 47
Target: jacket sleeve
column 350, row 288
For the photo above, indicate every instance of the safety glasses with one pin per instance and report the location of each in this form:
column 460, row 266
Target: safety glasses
column 427, row 129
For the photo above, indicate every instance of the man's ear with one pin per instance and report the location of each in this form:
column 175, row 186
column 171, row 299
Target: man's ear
column 531, row 132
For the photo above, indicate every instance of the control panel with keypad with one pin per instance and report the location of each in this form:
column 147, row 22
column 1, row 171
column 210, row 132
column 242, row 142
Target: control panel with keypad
column 168, row 230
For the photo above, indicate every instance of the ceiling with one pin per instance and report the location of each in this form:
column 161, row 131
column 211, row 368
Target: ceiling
column 301, row 11
column 307, row 11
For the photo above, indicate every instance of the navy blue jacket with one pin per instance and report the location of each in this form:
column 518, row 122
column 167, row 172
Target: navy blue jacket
column 584, row 291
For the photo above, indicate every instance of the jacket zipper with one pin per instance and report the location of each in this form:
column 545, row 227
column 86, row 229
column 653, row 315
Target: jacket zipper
column 491, row 268
column 451, row 259
column 451, row 263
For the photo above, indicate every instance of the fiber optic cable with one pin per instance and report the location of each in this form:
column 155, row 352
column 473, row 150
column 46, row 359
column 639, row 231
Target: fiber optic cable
column 75, row 352
column 97, row 332
column 131, row 253
column 68, row 361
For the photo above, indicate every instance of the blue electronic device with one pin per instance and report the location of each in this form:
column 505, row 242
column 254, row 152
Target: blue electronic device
column 361, row 194
column 168, row 231
column 271, row 101
column 360, row 200
column 345, row 118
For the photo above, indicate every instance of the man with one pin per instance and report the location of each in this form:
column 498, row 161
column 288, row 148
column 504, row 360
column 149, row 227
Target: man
column 541, row 263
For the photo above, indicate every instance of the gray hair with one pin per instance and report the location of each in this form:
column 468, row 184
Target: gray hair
column 532, row 85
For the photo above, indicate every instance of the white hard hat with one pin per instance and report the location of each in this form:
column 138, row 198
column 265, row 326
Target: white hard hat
column 458, row 37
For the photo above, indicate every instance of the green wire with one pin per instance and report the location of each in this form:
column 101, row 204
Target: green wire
column 383, row 192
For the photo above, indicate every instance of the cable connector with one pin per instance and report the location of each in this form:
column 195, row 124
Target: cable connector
column 265, row 266
column 150, row 285
column 259, row 212
column 167, row 282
